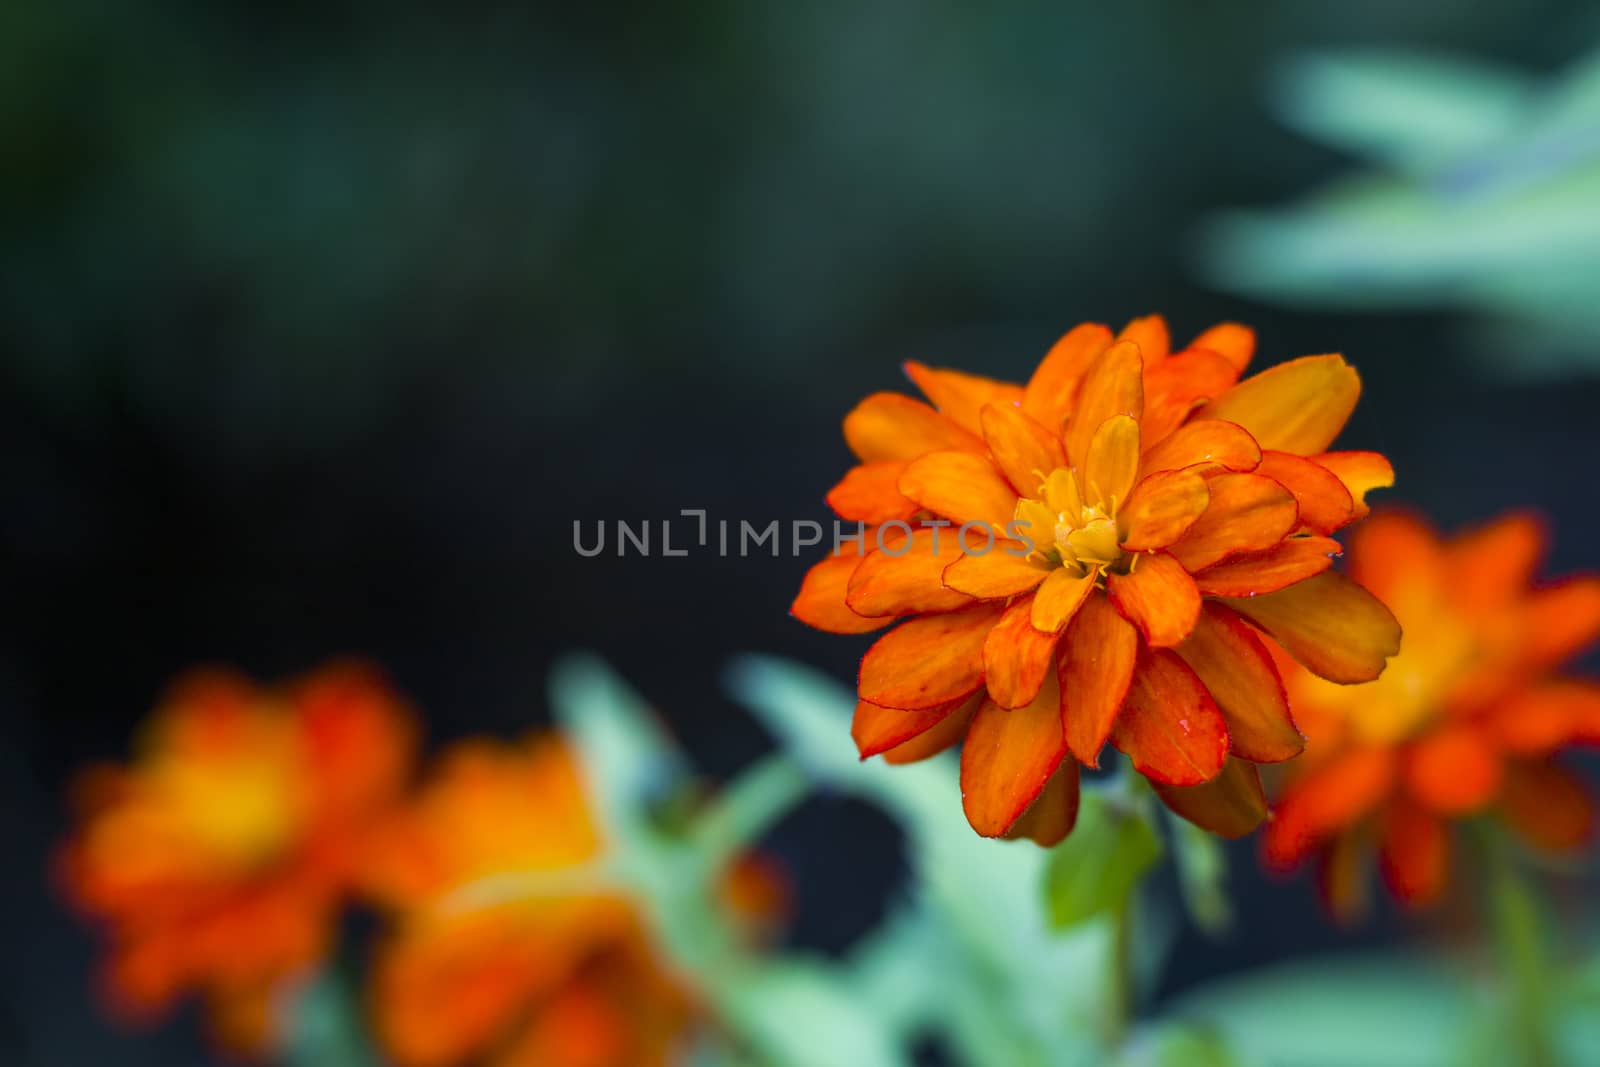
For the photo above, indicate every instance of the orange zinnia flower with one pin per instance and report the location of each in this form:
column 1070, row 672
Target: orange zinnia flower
column 558, row 973
column 218, row 860
column 1465, row 721
column 1145, row 505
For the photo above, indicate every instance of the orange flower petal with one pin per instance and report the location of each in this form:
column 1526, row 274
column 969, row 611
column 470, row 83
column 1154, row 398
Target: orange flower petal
column 1327, row 799
column 1325, row 504
column 876, row 729
column 960, row 396
column 1493, row 565
column 1112, row 462
column 1059, row 598
column 1159, row 597
column 1282, row 565
column 1096, row 667
column 1231, row 805
column 943, row 735
column 1017, row 658
column 1395, row 550
column 1342, row 877
column 1453, row 770
column 1231, row 341
column 1247, row 513
column 1549, row 807
column 1539, row 720
column 960, row 486
column 1361, row 472
column 893, row 426
column 820, row 602
column 1207, row 443
column 1299, row 406
column 1238, row 670
column 1561, row 620
column 929, row 660
column 1331, row 625
column 1161, row 509
column 1025, row 451
column 870, row 493
column 1008, row 758
column 1050, row 392
column 1050, row 819
column 1170, row 727
column 907, row 579
column 1174, row 388
column 1114, row 385
column 1150, row 333
column 1003, row 571
column 1413, row 853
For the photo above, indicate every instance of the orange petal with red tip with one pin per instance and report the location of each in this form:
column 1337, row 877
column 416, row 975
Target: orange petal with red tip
column 1231, row 805
column 1247, row 513
column 908, row 578
column 1454, row 770
column 1395, row 550
column 1170, row 727
column 820, row 602
column 943, row 735
column 876, row 729
column 1050, row 392
column 1003, row 571
column 1112, row 462
column 892, row 426
column 1025, row 451
column 1561, row 620
column 1325, row 504
column 1299, row 406
column 1492, row 565
column 1328, row 799
column 1161, row 509
column 1058, row 599
column 1114, row 385
column 870, row 492
column 1238, row 670
column 1206, row 444
column 960, row 396
column 1150, row 333
column 1159, row 597
column 1285, row 563
column 1231, row 341
column 929, row 660
column 1008, row 758
column 1413, row 853
column 1541, row 719
column 1017, row 659
column 1096, row 664
column 1361, row 472
column 1174, row 388
column 961, row 487
column 1050, row 819
column 1331, row 625
column 1548, row 806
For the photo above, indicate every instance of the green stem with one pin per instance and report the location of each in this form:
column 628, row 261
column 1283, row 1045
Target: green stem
column 1121, row 995
column 1519, row 936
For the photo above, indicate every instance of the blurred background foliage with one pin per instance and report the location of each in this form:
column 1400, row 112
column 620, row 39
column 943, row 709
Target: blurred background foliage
column 320, row 324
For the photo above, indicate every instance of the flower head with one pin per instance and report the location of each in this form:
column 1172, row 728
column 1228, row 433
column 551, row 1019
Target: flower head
column 1097, row 555
column 1464, row 723
column 558, row 972
column 218, row 859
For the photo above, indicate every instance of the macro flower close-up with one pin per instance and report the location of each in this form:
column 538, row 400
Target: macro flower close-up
column 1469, row 723
column 217, row 862
column 1102, row 554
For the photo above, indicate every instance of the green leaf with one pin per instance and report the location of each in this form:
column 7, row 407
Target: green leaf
column 1179, row 1045
column 1095, row 869
column 798, row 1014
column 323, row 1026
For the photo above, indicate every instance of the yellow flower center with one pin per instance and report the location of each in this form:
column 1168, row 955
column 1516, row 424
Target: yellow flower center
column 1070, row 527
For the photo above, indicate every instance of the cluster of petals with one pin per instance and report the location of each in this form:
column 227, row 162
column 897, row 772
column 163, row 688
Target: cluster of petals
column 1108, row 552
column 1468, row 722
column 218, row 861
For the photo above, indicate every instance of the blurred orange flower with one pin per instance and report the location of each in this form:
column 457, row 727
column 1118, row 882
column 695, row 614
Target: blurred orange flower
column 217, row 861
column 1464, row 722
column 557, row 972
column 1143, row 505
